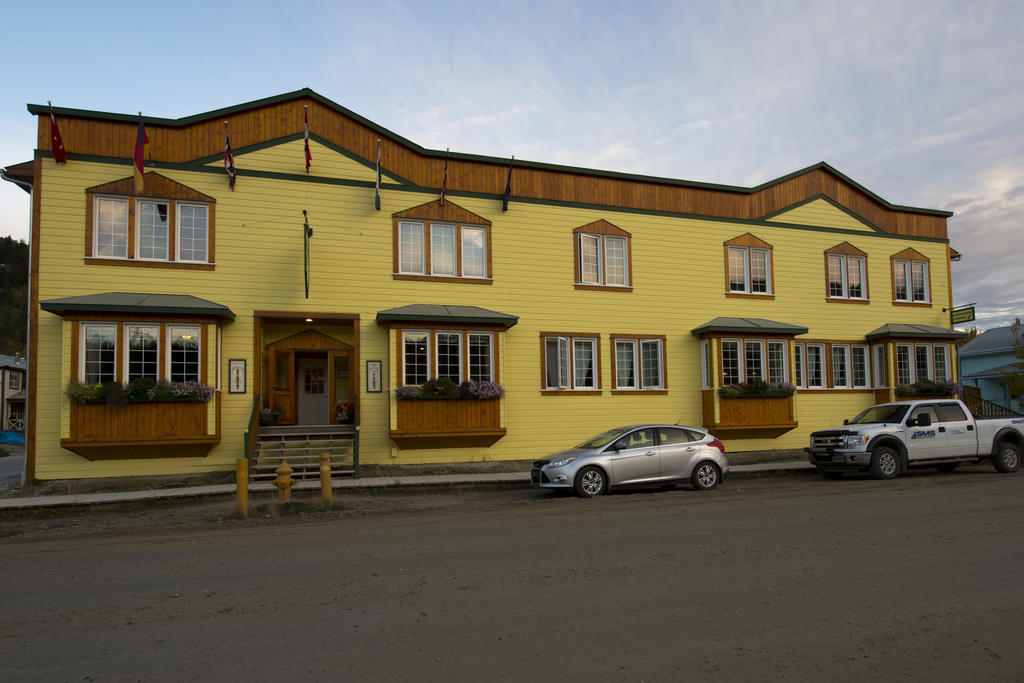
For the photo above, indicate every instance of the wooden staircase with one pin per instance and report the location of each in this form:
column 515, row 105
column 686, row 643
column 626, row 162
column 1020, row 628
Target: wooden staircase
column 301, row 446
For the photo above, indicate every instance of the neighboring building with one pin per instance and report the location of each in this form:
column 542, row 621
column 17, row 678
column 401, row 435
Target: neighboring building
column 13, row 372
column 596, row 299
column 984, row 361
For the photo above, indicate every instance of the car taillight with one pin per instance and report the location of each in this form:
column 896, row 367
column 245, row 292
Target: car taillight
column 715, row 443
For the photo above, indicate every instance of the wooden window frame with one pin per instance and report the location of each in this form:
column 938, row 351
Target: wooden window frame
column 638, row 340
column 746, row 243
column 159, row 190
column 432, row 331
column 427, row 273
column 601, row 231
column 905, row 260
column 846, row 252
column 571, row 339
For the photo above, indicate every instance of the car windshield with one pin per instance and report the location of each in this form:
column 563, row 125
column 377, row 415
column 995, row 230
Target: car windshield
column 877, row 414
column 603, row 439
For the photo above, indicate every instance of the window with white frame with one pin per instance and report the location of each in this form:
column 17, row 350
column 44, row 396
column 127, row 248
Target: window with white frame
column 749, row 270
column 458, row 355
column 603, row 260
column 441, row 249
column 639, row 363
column 840, row 366
column 753, row 359
column 183, row 356
column 98, row 353
column 705, row 365
column 110, row 233
column 778, row 368
column 415, row 357
column 143, row 351
column 910, row 281
column 922, row 362
column 481, row 356
column 448, row 346
column 731, row 372
column 881, row 380
column 859, row 369
column 14, row 380
column 904, row 364
column 810, row 366
column 570, row 363
column 940, row 362
column 152, row 235
column 847, row 276
column 193, row 232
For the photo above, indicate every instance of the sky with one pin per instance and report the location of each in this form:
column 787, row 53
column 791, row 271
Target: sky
column 922, row 102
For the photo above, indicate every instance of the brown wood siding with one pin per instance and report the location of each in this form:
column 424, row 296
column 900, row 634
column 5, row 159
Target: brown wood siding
column 137, row 421
column 249, row 127
column 755, row 412
column 455, row 415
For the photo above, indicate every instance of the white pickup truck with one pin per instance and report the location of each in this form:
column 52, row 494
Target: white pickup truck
column 888, row 438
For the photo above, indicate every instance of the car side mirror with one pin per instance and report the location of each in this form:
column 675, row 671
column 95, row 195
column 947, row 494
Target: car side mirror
column 846, row 422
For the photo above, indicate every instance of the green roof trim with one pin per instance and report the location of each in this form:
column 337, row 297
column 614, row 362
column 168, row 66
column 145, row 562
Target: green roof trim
column 43, row 110
column 748, row 326
column 126, row 302
column 446, row 314
column 903, row 330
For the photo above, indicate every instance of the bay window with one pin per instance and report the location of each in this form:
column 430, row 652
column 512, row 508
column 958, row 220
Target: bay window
column 99, row 353
column 458, row 355
column 183, row 359
column 143, row 344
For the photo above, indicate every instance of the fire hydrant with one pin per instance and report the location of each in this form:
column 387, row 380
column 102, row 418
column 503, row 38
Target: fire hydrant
column 284, row 482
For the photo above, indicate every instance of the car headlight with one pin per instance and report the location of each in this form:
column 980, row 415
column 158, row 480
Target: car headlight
column 854, row 440
column 561, row 463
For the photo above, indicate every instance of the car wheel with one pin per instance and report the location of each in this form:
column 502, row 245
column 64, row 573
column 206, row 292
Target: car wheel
column 1007, row 457
column 705, row 476
column 591, row 481
column 831, row 475
column 885, row 463
column 948, row 466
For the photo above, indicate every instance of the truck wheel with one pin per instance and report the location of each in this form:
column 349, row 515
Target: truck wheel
column 1007, row 457
column 885, row 463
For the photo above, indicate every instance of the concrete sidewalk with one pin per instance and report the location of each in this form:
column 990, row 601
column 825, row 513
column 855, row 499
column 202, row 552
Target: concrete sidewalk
column 314, row 485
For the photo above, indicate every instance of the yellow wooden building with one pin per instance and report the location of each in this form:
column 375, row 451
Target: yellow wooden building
column 595, row 299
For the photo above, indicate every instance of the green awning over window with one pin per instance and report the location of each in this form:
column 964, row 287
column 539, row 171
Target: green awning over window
column 904, row 331
column 748, row 326
column 129, row 303
column 434, row 313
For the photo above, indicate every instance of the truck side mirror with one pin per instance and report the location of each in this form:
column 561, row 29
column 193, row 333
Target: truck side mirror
column 846, row 422
column 924, row 420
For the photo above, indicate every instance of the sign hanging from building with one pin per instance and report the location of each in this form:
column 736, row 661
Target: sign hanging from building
column 960, row 316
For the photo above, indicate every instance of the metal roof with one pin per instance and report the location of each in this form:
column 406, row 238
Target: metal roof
column 996, row 340
column 748, row 325
column 904, row 330
column 446, row 314
column 126, row 302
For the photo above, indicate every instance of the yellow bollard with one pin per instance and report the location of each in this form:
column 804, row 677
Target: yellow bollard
column 325, row 478
column 284, row 482
column 242, row 484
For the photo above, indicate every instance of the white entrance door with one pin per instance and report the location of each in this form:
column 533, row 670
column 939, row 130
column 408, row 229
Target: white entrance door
column 313, row 391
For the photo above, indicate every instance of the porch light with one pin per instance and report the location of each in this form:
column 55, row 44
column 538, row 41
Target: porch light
column 309, row 320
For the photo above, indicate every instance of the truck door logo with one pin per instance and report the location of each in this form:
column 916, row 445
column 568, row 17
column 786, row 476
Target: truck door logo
column 923, row 434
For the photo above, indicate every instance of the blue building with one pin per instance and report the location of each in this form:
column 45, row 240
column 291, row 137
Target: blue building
column 983, row 362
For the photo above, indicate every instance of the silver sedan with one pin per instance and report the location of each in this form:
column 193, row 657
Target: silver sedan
column 639, row 454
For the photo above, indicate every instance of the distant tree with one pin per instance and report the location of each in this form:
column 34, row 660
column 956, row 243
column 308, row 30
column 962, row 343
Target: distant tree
column 971, row 334
column 13, row 295
column 1015, row 378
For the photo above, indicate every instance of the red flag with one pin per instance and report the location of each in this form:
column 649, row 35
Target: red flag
column 305, row 134
column 56, row 143
column 141, row 147
column 229, row 160
column 444, row 182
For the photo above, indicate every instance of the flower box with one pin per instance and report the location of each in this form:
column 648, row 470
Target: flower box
column 447, row 423
column 753, row 417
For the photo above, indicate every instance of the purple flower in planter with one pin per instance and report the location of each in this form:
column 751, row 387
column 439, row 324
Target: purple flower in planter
column 489, row 390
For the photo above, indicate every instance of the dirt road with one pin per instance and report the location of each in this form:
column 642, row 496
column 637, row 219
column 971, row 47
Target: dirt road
column 786, row 577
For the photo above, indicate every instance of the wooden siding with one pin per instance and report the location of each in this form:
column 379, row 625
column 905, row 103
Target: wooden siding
column 100, row 422
column 755, row 412
column 457, row 415
column 205, row 138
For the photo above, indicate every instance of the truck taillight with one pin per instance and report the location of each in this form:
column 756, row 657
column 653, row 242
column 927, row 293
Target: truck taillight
column 715, row 443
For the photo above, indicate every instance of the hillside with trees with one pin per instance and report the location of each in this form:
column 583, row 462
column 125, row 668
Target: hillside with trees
column 13, row 295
